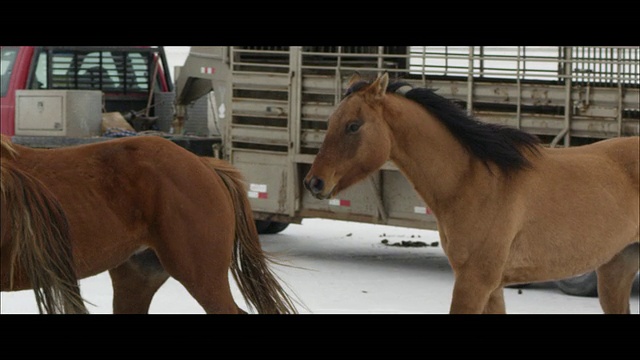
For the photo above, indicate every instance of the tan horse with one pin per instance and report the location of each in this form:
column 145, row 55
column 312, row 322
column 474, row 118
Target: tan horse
column 509, row 211
column 146, row 209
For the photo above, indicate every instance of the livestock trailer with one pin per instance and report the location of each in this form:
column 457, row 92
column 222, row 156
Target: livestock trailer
column 272, row 104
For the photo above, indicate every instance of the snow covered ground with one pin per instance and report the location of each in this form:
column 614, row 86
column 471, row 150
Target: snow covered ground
column 345, row 268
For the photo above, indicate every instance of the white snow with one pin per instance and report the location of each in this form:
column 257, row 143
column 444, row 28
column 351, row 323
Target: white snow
column 338, row 267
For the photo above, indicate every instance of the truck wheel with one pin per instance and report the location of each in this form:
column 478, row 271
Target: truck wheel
column 583, row 285
column 276, row 227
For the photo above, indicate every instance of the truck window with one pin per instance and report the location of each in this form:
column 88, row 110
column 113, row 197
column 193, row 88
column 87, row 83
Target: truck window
column 7, row 60
column 138, row 65
column 110, row 71
column 94, row 70
column 39, row 81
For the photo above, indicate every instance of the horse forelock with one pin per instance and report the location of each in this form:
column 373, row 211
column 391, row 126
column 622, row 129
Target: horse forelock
column 399, row 87
column 359, row 85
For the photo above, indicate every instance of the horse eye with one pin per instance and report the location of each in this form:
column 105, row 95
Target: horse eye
column 353, row 127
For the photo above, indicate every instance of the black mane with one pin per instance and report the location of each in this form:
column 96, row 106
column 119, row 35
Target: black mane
column 502, row 145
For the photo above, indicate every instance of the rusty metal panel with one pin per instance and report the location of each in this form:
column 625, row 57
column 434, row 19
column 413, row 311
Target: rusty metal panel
column 359, row 200
column 260, row 81
column 261, row 135
column 316, row 111
column 318, row 84
column 401, row 200
column 266, row 174
column 260, row 107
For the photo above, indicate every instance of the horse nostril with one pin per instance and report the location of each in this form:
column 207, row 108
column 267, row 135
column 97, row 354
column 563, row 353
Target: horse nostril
column 315, row 185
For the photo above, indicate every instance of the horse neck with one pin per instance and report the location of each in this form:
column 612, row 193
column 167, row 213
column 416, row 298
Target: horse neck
column 431, row 158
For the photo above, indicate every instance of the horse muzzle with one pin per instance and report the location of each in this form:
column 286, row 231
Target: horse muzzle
column 316, row 187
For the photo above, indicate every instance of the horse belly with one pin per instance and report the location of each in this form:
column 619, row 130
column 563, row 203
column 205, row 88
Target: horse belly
column 102, row 254
column 575, row 214
column 560, row 244
column 101, row 238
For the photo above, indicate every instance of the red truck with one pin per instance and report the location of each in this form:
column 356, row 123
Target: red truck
column 133, row 81
column 123, row 74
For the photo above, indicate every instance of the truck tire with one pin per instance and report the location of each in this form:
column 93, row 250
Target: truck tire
column 270, row 227
column 582, row 285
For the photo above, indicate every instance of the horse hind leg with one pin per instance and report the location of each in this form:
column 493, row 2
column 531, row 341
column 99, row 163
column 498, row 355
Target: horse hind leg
column 135, row 282
column 201, row 267
column 615, row 280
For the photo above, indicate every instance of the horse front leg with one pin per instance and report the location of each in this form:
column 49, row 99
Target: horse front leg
column 478, row 281
column 470, row 296
column 478, row 289
column 495, row 305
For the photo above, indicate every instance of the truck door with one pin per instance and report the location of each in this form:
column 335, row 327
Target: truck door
column 15, row 62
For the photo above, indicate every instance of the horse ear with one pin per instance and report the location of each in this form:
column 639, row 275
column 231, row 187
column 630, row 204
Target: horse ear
column 380, row 85
column 354, row 79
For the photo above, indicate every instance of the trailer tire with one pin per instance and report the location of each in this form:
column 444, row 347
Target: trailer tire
column 270, row 227
column 276, row 227
column 262, row 225
column 582, row 285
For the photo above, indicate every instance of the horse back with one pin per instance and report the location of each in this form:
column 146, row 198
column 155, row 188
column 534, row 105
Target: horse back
column 625, row 152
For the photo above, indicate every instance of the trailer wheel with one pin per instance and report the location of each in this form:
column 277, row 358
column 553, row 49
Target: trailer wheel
column 270, row 227
column 582, row 285
column 262, row 225
column 276, row 227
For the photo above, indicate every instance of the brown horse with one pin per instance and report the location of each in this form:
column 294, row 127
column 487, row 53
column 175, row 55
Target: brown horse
column 509, row 211
column 144, row 209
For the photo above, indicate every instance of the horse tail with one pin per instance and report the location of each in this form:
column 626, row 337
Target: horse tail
column 41, row 246
column 250, row 264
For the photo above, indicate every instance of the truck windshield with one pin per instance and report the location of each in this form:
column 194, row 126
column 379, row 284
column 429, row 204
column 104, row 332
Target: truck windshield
column 7, row 60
